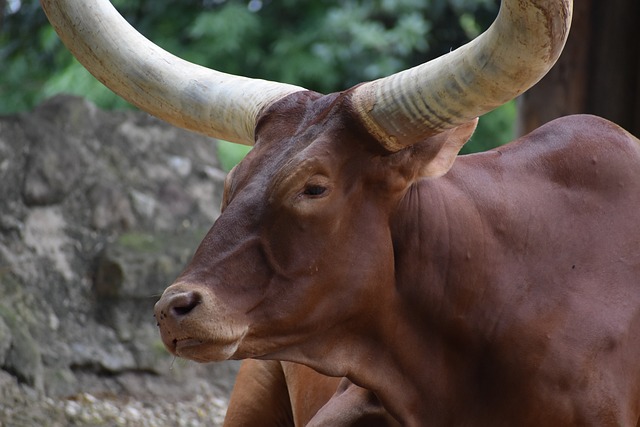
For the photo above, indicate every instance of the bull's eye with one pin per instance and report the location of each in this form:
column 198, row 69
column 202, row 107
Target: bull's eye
column 314, row 190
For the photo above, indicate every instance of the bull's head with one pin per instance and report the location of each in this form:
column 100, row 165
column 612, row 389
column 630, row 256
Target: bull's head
column 305, row 236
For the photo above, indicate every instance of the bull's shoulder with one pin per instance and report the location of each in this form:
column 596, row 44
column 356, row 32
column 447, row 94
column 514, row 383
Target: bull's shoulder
column 584, row 129
column 576, row 137
column 562, row 167
column 573, row 151
column 587, row 151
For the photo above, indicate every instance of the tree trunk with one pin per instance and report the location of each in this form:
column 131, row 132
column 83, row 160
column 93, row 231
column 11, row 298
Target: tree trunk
column 598, row 72
column 3, row 8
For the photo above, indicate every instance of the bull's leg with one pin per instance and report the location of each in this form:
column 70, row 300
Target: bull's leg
column 281, row 394
column 353, row 406
column 260, row 396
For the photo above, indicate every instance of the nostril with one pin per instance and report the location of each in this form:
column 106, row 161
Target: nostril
column 183, row 303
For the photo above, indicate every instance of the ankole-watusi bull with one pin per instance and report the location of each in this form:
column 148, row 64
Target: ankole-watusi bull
column 494, row 289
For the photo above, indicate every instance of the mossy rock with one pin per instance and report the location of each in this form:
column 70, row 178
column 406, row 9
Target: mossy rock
column 23, row 356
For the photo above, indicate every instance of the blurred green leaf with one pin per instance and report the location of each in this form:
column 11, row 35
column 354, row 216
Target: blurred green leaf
column 494, row 129
column 230, row 154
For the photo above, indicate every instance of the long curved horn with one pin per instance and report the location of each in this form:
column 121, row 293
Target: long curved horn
column 184, row 94
column 511, row 56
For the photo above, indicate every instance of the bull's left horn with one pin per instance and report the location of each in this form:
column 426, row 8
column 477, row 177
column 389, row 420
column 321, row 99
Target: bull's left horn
column 184, row 94
column 515, row 53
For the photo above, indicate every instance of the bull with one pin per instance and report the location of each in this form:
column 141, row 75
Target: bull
column 501, row 288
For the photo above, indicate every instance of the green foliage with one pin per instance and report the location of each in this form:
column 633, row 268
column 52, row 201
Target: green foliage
column 28, row 49
column 326, row 45
column 230, row 154
column 76, row 80
column 494, row 129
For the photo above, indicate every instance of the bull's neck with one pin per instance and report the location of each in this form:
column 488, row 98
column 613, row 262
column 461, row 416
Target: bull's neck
column 441, row 238
column 404, row 369
column 407, row 367
column 439, row 248
column 376, row 359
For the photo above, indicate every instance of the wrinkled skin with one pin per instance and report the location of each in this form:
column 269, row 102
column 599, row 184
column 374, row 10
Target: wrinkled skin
column 509, row 284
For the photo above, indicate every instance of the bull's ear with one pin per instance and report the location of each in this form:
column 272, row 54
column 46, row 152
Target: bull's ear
column 454, row 139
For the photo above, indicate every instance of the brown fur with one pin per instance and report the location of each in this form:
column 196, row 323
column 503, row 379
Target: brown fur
column 505, row 292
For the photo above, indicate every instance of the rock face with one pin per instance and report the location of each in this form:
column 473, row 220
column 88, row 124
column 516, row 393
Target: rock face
column 99, row 212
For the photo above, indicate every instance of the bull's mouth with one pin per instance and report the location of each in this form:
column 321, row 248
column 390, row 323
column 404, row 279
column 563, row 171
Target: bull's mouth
column 192, row 349
column 201, row 350
column 183, row 344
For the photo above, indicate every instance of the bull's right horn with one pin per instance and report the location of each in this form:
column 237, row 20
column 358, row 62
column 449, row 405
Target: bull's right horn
column 515, row 53
column 184, row 94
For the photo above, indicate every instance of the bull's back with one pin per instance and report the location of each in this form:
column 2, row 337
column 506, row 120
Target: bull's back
column 581, row 153
column 572, row 185
column 568, row 197
column 559, row 253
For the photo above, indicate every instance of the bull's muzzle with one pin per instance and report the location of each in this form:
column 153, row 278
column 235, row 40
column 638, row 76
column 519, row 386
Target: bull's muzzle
column 194, row 325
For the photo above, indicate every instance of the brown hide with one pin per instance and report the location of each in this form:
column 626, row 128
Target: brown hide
column 352, row 406
column 506, row 292
column 270, row 393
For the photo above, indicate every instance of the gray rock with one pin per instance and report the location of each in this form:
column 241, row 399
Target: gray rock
column 100, row 211
column 23, row 358
column 6, row 337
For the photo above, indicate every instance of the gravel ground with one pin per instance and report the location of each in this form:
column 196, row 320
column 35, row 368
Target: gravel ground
column 21, row 406
column 88, row 410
